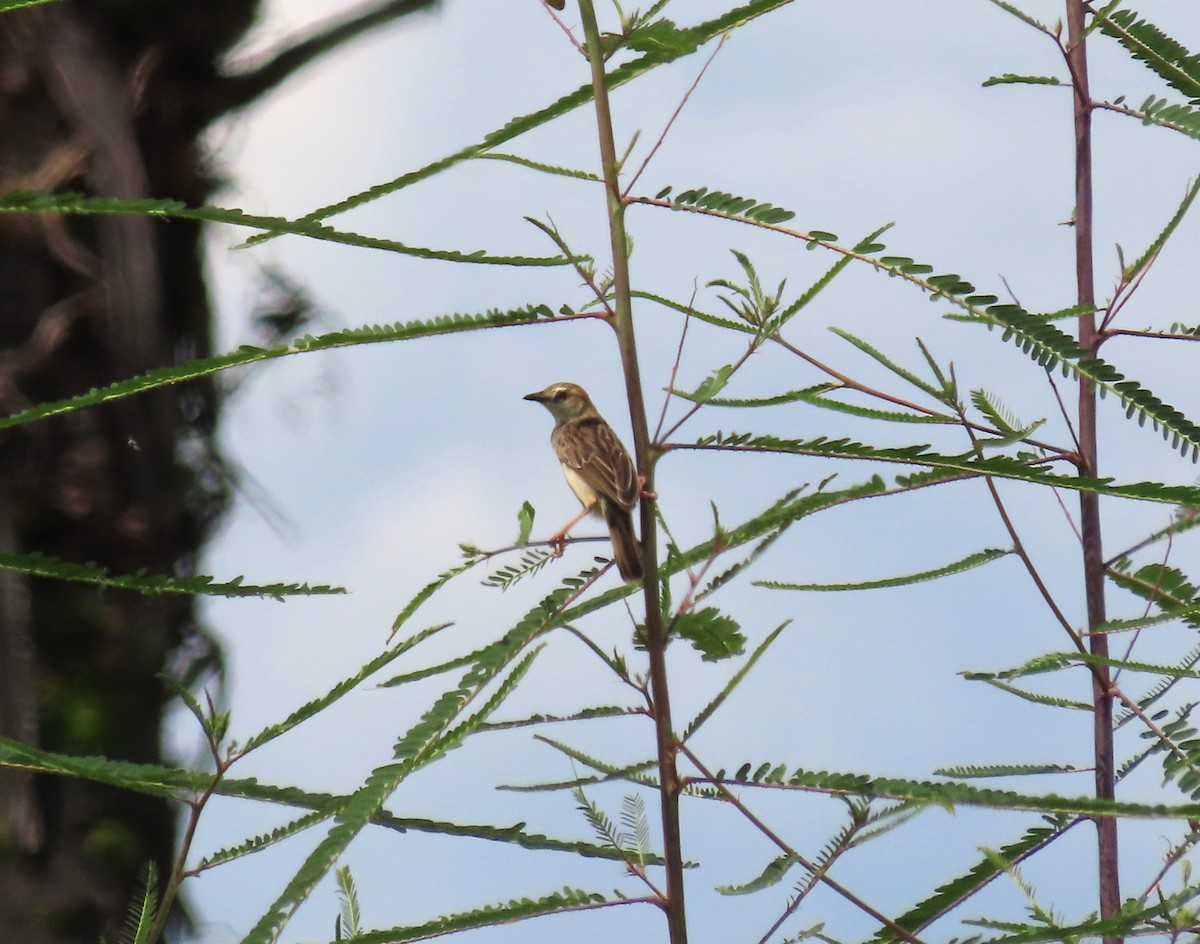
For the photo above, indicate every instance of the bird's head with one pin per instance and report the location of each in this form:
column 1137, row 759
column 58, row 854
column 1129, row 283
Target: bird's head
column 565, row 401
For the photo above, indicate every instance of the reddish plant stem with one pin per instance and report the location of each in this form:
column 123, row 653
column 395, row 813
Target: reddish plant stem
column 819, row 873
column 1089, row 503
column 656, row 636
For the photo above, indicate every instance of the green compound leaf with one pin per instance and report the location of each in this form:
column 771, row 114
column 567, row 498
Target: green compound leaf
column 1010, row 78
column 42, row 565
column 25, row 201
column 247, row 354
column 714, row 635
column 1166, row 57
column 978, row 559
column 1001, row 466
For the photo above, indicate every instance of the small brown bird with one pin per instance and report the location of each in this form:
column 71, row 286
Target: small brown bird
column 597, row 468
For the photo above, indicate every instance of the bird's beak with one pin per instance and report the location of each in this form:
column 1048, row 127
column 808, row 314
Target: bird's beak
column 538, row 397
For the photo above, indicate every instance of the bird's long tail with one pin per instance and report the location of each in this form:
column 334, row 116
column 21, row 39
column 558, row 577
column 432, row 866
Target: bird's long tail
column 626, row 550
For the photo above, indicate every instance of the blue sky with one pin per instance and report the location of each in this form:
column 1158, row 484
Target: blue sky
column 380, row 460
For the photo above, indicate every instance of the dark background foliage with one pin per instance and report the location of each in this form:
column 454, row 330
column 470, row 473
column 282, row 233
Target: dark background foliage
column 109, row 99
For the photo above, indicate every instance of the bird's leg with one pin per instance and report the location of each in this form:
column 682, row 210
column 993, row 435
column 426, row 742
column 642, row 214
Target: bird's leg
column 558, row 540
column 653, row 496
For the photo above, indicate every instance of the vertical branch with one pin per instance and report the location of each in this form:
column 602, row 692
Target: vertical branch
column 667, row 746
column 1093, row 556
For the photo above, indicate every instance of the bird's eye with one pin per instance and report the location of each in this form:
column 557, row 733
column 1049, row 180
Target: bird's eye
column 560, row 395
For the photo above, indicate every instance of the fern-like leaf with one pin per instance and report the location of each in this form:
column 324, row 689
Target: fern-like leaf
column 713, row 634
column 725, row 576
column 1179, row 746
column 1012, row 430
column 1045, row 343
column 170, row 782
column 602, row 826
column 888, row 363
column 1139, row 265
column 1056, row 661
column 427, row 591
column 978, row 559
column 1041, row 340
column 539, row 166
column 525, row 517
column 1189, row 614
column 43, row 565
column 1039, row 912
column 1173, row 115
column 709, row 387
column 256, row 843
column 1166, row 587
column 1160, row 688
column 6, row 5
column 947, row 794
column 416, row 675
column 661, row 37
column 25, row 201
column 1035, row 697
column 612, row 771
column 427, row 740
column 691, row 312
column 584, row 714
column 1001, row 466
column 1131, row 922
column 456, row 735
column 973, row 771
column 948, row 896
column 634, row 773
column 683, row 42
column 815, row 396
column 205, row 367
column 637, row 827
column 139, row 920
column 709, row 709
column 349, row 923
column 774, row 873
column 344, row 687
column 547, row 615
column 1048, row 345
column 1164, row 56
column 562, row 902
column 1021, row 15
column 726, row 204
column 1010, row 78
column 880, row 822
column 807, row 296
column 532, row 560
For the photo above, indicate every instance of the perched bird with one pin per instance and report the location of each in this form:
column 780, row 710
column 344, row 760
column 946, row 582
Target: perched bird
column 597, row 468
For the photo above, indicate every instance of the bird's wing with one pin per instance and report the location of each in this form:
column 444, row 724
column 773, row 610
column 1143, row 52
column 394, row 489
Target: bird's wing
column 591, row 448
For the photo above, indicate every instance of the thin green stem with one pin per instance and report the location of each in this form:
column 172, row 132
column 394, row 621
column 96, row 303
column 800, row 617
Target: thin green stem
column 656, row 640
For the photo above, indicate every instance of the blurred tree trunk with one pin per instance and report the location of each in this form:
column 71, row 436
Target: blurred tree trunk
column 107, row 97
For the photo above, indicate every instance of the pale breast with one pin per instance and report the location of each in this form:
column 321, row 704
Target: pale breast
column 584, row 492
